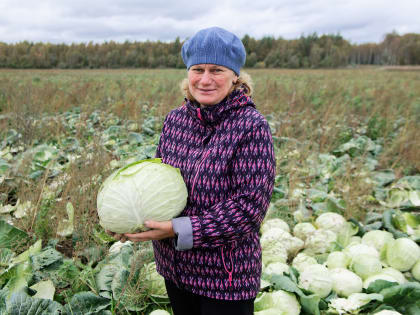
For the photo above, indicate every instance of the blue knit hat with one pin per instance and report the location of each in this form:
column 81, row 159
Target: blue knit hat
column 216, row 46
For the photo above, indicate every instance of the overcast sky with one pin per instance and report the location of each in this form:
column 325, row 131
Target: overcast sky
column 59, row 21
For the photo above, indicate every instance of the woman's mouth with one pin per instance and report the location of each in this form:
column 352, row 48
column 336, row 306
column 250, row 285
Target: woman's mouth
column 206, row 91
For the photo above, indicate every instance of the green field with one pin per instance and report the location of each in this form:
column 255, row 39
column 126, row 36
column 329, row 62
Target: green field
column 344, row 141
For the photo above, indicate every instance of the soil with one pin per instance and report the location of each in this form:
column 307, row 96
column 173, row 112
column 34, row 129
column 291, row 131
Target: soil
column 65, row 247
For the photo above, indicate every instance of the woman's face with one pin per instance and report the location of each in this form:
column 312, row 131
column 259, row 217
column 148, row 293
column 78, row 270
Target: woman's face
column 209, row 84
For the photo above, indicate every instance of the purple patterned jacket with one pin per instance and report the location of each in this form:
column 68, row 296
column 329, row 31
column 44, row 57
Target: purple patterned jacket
column 225, row 154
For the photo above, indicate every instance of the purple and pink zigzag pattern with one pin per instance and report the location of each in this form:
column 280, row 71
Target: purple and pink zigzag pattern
column 227, row 161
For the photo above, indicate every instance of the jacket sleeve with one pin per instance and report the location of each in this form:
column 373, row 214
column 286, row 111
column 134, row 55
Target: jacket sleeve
column 252, row 177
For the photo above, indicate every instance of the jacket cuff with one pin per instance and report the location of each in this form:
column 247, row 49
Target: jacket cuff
column 183, row 229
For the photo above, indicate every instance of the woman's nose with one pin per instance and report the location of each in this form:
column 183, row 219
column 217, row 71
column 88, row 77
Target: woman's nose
column 206, row 77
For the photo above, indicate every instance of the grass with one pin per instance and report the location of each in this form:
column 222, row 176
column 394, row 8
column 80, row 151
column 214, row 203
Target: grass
column 322, row 108
column 319, row 109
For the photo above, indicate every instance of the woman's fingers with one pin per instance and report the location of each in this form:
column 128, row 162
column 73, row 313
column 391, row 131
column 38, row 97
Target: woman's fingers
column 144, row 236
column 119, row 237
column 109, row 232
column 159, row 230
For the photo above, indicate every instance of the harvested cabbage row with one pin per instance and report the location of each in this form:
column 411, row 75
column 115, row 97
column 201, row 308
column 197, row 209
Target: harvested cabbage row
column 326, row 266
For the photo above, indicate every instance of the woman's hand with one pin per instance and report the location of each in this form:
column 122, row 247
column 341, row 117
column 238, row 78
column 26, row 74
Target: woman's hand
column 159, row 231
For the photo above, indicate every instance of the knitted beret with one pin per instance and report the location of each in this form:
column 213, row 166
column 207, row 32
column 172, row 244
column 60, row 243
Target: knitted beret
column 214, row 45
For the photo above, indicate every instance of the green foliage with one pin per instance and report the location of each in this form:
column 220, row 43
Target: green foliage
column 402, row 297
column 376, row 127
column 10, row 236
column 343, row 140
column 310, row 51
column 43, row 221
column 21, row 303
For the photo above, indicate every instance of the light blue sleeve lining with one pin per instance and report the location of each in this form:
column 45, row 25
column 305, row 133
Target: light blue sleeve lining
column 183, row 229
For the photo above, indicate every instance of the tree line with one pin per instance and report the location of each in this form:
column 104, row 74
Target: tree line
column 310, row 51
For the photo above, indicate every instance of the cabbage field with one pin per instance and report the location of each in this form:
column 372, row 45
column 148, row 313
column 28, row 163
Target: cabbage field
column 342, row 231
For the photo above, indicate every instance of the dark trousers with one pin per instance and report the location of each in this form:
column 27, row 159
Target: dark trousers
column 187, row 303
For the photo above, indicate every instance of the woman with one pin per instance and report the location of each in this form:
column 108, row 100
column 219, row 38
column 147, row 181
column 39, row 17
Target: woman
column 210, row 256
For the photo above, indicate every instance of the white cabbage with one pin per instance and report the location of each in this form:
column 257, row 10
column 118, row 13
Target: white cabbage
column 366, row 265
column 354, row 240
column 379, row 276
column 415, row 271
column 345, row 282
column 377, row 239
column 320, row 242
column 276, row 235
column 275, row 268
column 155, row 282
column 402, row 254
column 353, row 303
column 337, row 260
column 330, row 221
column 117, row 246
column 264, row 284
column 317, row 279
column 274, row 223
column 277, row 302
column 361, row 249
column 301, row 230
column 302, row 260
column 394, row 273
column 143, row 190
column 273, row 252
column 387, row 312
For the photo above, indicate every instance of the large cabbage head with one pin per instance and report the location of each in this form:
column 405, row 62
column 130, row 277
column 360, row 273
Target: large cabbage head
column 143, row 190
column 302, row 260
column 337, row 260
column 278, row 235
column 345, row 282
column 320, row 242
column 402, row 253
column 277, row 302
column 301, row 230
column 275, row 268
column 366, row 265
column 330, row 221
column 317, row 279
column 273, row 252
column 377, row 239
column 274, row 223
column 360, row 249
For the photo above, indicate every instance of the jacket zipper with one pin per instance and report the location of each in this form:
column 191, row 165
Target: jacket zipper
column 229, row 272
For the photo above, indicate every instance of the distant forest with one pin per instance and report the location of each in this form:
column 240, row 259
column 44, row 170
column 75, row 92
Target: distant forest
column 311, row 51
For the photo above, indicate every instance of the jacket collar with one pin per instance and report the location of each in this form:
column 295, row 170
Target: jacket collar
column 214, row 114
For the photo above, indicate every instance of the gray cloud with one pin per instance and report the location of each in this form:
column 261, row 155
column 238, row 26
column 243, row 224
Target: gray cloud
column 138, row 20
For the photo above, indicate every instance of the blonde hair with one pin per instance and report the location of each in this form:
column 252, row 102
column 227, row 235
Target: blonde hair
column 243, row 82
